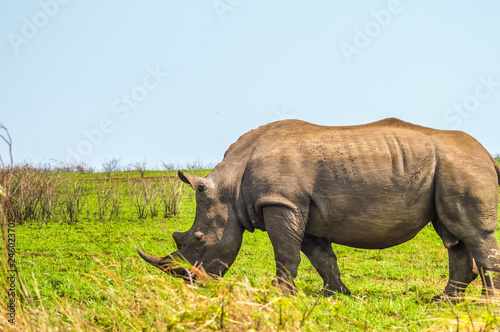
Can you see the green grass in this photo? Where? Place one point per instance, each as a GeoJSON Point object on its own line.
{"type": "Point", "coordinates": [87, 276]}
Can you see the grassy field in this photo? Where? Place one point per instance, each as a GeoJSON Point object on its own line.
{"type": "Point", "coordinates": [82, 273]}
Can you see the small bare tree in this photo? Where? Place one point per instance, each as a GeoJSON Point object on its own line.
{"type": "Point", "coordinates": [6, 173]}
{"type": "Point", "coordinates": [71, 201]}
{"type": "Point", "coordinates": [49, 183]}
{"type": "Point", "coordinates": [76, 167]}
{"type": "Point", "coordinates": [139, 199]}
{"type": "Point", "coordinates": [154, 198]}
{"type": "Point", "coordinates": [171, 195]}
{"type": "Point", "coordinates": [140, 167]}
{"type": "Point", "coordinates": [169, 166]}
{"type": "Point", "coordinates": [109, 166]}
{"type": "Point", "coordinates": [145, 197]}
{"type": "Point", "coordinates": [25, 190]}
{"type": "Point", "coordinates": [198, 164]}
{"type": "Point", "coordinates": [108, 201]}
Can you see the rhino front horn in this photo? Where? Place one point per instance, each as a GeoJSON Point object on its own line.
{"type": "Point", "coordinates": [156, 261]}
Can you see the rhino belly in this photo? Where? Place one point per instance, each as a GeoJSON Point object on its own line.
{"type": "Point", "coordinates": [375, 233]}
{"type": "Point", "coordinates": [371, 222]}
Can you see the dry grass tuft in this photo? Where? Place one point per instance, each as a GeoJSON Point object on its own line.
{"type": "Point", "coordinates": [155, 303]}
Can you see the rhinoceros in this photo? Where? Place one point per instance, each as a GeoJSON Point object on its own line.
{"type": "Point", "coordinates": [369, 186]}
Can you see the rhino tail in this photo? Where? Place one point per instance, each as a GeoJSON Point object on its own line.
{"type": "Point", "coordinates": [498, 172]}
{"type": "Point", "coordinates": [497, 167]}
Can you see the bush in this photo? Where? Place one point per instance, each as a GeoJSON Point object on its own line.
{"type": "Point", "coordinates": [71, 201]}
{"type": "Point", "coordinates": [35, 194]}
{"type": "Point", "coordinates": [171, 188]}
{"type": "Point", "coordinates": [25, 192]}
{"type": "Point", "coordinates": [108, 201]}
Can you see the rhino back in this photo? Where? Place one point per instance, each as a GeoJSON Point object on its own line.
{"type": "Point", "coordinates": [369, 186]}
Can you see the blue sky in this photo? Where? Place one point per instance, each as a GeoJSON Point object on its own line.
{"type": "Point", "coordinates": [177, 81]}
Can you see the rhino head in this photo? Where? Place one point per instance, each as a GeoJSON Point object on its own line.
{"type": "Point", "coordinates": [213, 241]}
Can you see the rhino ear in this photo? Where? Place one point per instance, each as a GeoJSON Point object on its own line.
{"type": "Point", "coordinates": [196, 182]}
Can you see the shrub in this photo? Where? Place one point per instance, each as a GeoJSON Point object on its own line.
{"type": "Point", "coordinates": [171, 195]}
{"type": "Point", "coordinates": [140, 167]}
{"type": "Point", "coordinates": [108, 201]}
{"type": "Point", "coordinates": [24, 194]}
{"type": "Point", "coordinates": [144, 195]}
{"type": "Point", "coordinates": [109, 166]}
{"type": "Point", "coordinates": [49, 183]}
{"type": "Point", "coordinates": [71, 201]}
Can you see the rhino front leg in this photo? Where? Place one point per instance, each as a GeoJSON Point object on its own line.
{"type": "Point", "coordinates": [320, 253]}
{"type": "Point", "coordinates": [285, 228]}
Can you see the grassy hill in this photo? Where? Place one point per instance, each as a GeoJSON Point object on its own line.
{"type": "Point", "coordinates": [75, 253]}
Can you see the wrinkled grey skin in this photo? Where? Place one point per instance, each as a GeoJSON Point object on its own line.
{"type": "Point", "coordinates": [372, 186]}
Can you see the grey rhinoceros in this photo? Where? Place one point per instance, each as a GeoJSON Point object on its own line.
{"type": "Point", "coordinates": [370, 186]}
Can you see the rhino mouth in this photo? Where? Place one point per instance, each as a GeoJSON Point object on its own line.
{"type": "Point", "coordinates": [181, 272]}
{"type": "Point", "coordinates": [176, 265]}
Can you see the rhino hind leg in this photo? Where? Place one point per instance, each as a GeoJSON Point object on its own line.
{"type": "Point", "coordinates": [319, 252]}
{"type": "Point", "coordinates": [461, 264]}
{"type": "Point", "coordinates": [470, 220]}
{"type": "Point", "coordinates": [487, 257]}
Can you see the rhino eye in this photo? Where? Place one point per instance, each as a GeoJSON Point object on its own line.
{"type": "Point", "coordinates": [198, 236]}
